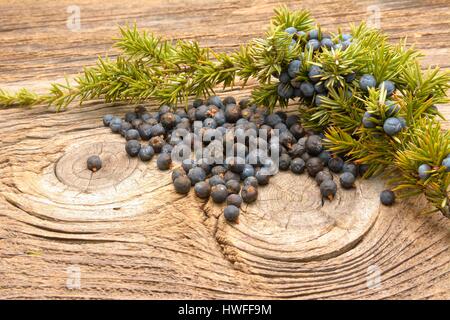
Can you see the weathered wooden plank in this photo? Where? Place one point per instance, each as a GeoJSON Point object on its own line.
{"type": "Point", "coordinates": [126, 230]}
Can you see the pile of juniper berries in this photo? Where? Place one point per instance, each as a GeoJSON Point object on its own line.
{"type": "Point", "coordinates": [226, 150]}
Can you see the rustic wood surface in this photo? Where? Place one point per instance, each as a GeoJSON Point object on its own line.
{"type": "Point", "coordinates": [126, 230]}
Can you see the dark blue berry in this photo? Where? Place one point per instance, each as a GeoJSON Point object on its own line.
{"type": "Point", "coordinates": [197, 103]}
{"type": "Point", "coordinates": [230, 175]}
{"type": "Point", "coordinates": [168, 120]}
{"type": "Point", "coordinates": [249, 193]}
{"type": "Point", "coordinates": [164, 109]}
{"type": "Point", "coordinates": [273, 119]}
{"type": "Point", "coordinates": [294, 68]}
{"type": "Point", "coordinates": [362, 169]}
{"type": "Point", "coordinates": [446, 164]}
{"type": "Point", "coordinates": [313, 166]}
{"type": "Point", "coordinates": [219, 193]}
{"type": "Point", "coordinates": [347, 180]}
{"type": "Point", "coordinates": [290, 30]}
{"type": "Point", "coordinates": [307, 89]}
{"type": "Point", "coordinates": [167, 148]}
{"type": "Point", "coordinates": [157, 143]}
{"type": "Point", "coordinates": [291, 120]}
{"type": "Point", "coordinates": [327, 42]}
{"type": "Point", "coordinates": [387, 197]}
{"type": "Point", "coordinates": [215, 100]}
{"type": "Point", "coordinates": [115, 124]}
{"type": "Point", "coordinates": [136, 123]}
{"type": "Point", "coordinates": [251, 181]}
{"type": "Point", "coordinates": [233, 186]}
{"type": "Point", "coordinates": [392, 108]}
{"type": "Point", "coordinates": [107, 119]}
{"type": "Point", "coordinates": [346, 36]}
{"type": "Point", "coordinates": [178, 172]}
{"type": "Point", "coordinates": [196, 174]}
{"type": "Point", "coordinates": [94, 163]}
{"type": "Point", "coordinates": [130, 116]}
{"type": "Point", "coordinates": [350, 167]}
{"type": "Point", "coordinates": [132, 147]}
{"type": "Point", "coordinates": [350, 77]}
{"type": "Point", "coordinates": [389, 86]}
{"type": "Point", "coordinates": [285, 90]}
{"type": "Point", "coordinates": [287, 139]}
{"type": "Point", "coordinates": [297, 130]}
{"type": "Point", "coordinates": [216, 179]}
{"type": "Point", "coordinates": [325, 156]}
{"type": "Point", "coordinates": [328, 189]}
{"type": "Point", "coordinates": [164, 161]}
{"type": "Point", "coordinates": [262, 176]}
{"type": "Point", "coordinates": [314, 145]}
{"type": "Point", "coordinates": [146, 153]}
{"type": "Point", "coordinates": [124, 127]}
{"type": "Point", "coordinates": [144, 131]}
{"type": "Point", "coordinates": [218, 170]}
{"type": "Point", "coordinates": [313, 44]}
{"type": "Point", "coordinates": [231, 213]}
{"type": "Point", "coordinates": [319, 87]}
{"type": "Point", "coordinates": [322, 176]}
{"type": "Point", "coordinates": [315, 73]}
{"type": "Point", "coordinates": [201, 113]}
{"type": "Point", "coordinates": [157, 130]}
{"type": "Point", "coordinates": [392, 126]}
{"type": "Point", "coordinates": [367, 81]}
{"type": "Point", "coordinates": [423, 171]}
{"type": "Point", "coordinates": [248, 171]}
{"type": "Point", "coordinates": [202, 189]}
{"type": "Point", "coordinates": [297, 165]}
{"type": "Point", "coordinates": [284, 162]}
{"type": "Point", "coordinates": [188, 164]}
{"type": "Point", "coordinates": [132, 134]}
{"type": "Point", "coordinates": [368, 120]}
{"type": "Point", "coordinates": [182, 184]}
{"type": "Point", "coordinates": [284, 77]}
{"type": "Point", "coordinates": [235, 200]}
{"type": "Point", "coordinates": [232, 113]}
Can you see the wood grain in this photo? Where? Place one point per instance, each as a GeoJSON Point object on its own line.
{"type": "Point", "coordinates": [126, 230]}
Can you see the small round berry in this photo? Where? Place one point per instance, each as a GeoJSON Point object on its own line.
{"type": "Point", "coordinates": [350, 167]}
{"type": "Point", "coordinates": [284, 162]}
{"type": "Point", "coordinates": [248, 171]}
{"type": "Point", "coordinates": [392, 108]}
{"type": "Point", "coordinates": [157, 130]}
{"type": "Point", "coordinates": [347, 180]}
{"type": "Point", "coordinates": [313, 44]}
{"type": "Point", "coordinates": [336, 164]}
{"type": "Point", "coordinates": [389, 86]}
{"type": "Point", "coordinates": [314, 145]}
{"type": "Point", "coordinates": [392, 126]}
{"type": "Point", "coordinates": [350, 77]}
{"type": "Point", "coordinates": [94, 163]}
{"type": "Point", "coordinates": [202, 189]}
{"type": "Point", "coordinates": [230, 175]}
{"type": "Point", "coordinates": [132, 134]}
{"type": "Point", "coordinates": [297, 131]}
{"type": "Point", "coordinates": [216, 179]}
{"type": "Point", "coordinates": [327, 42]}
{"type": "Point", "coordinates": [291, 120]}
{"type": "Point", "coordinates": [157, 143]}
{"type": "Point", "coordinates": [144, 131]}
{"type": "Point", "coordinates": [362, 169]}
{"type": "Point", "coordinates": [218, 170]}
{"type": "Point", "coordinates": [297, 165]}
{"type": "Point", "coordinates": [368, 120]}
{"type": "Point", "coordinates": [232, 113]}
{"type": "Point", "coordinates": [196, 174]}
{"type": "Point", "coordinates": [313, 166]}
{"type": "Point", "coordinates": [328, 189]}
{"type": "Point", "coordinates": [233, 186]}
{"type": "Point", "coordinates": [307, 89]}
{"type": "Point", "coordinates": [167, 148]}
{"type": "Point", "coordinates": [146, 153]}
{"type": "Point", "coordinates": [132, 147]}
{"type": "Point", "coordinates": [164, 161]}
{"type": "Point", "coordinates": [168, 120]}
{"type": "Point", "coordinates": [446, 164]}
{"type": "Point", "coordinates": [285, 90]}
{"type": "Point", "coordinates": [178, 172]}
{"type": "Point", "coordinates": [294, 68]}
{"type": "Point", "coordinates": [315, 73]}
{"type": "Point", "coordinates": [115, 124]}
{"type": "Point", "coordinates": [251, 181]}
{"type": "Point", "coordinates": [367, 81]}
{"type": "Point", "coordinates": [290, 30]}
{"type": "Point", "coordinates": [322, 176]}
{"type": "Point", "coordinates": [124, 127]}
{"type": "Point", "coordinates": [182, 184]}
{"type": "Point", "coordinates": [136, 123]}
{"type": "Point", "coordinates": [273, 119]}
{"type": "Point", "coordinates": [387, 197]}
{"type": "Point", "coordinates": [423, 171]}
{"type": "Point", "coordinates": [231, 213]}
{"type": "Point", "coordinates": [228, 100]}
{"type": "Point", "coordinates": [130, 116]}
{"type": "Point", "coordinates": [219, 193]}
{"type": "Point", "coordinates": [216, 101]}
{"type": "Point", "coordinates": [262, 176]}
{"type": "Point", "coordinates": [235, 200]}
{"type": "Point", "coordinates": [107, 119]}
{"type": "Point", "coordinates": [325, 156]}
{"type": "Point", "coordinates": [249, 193]}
